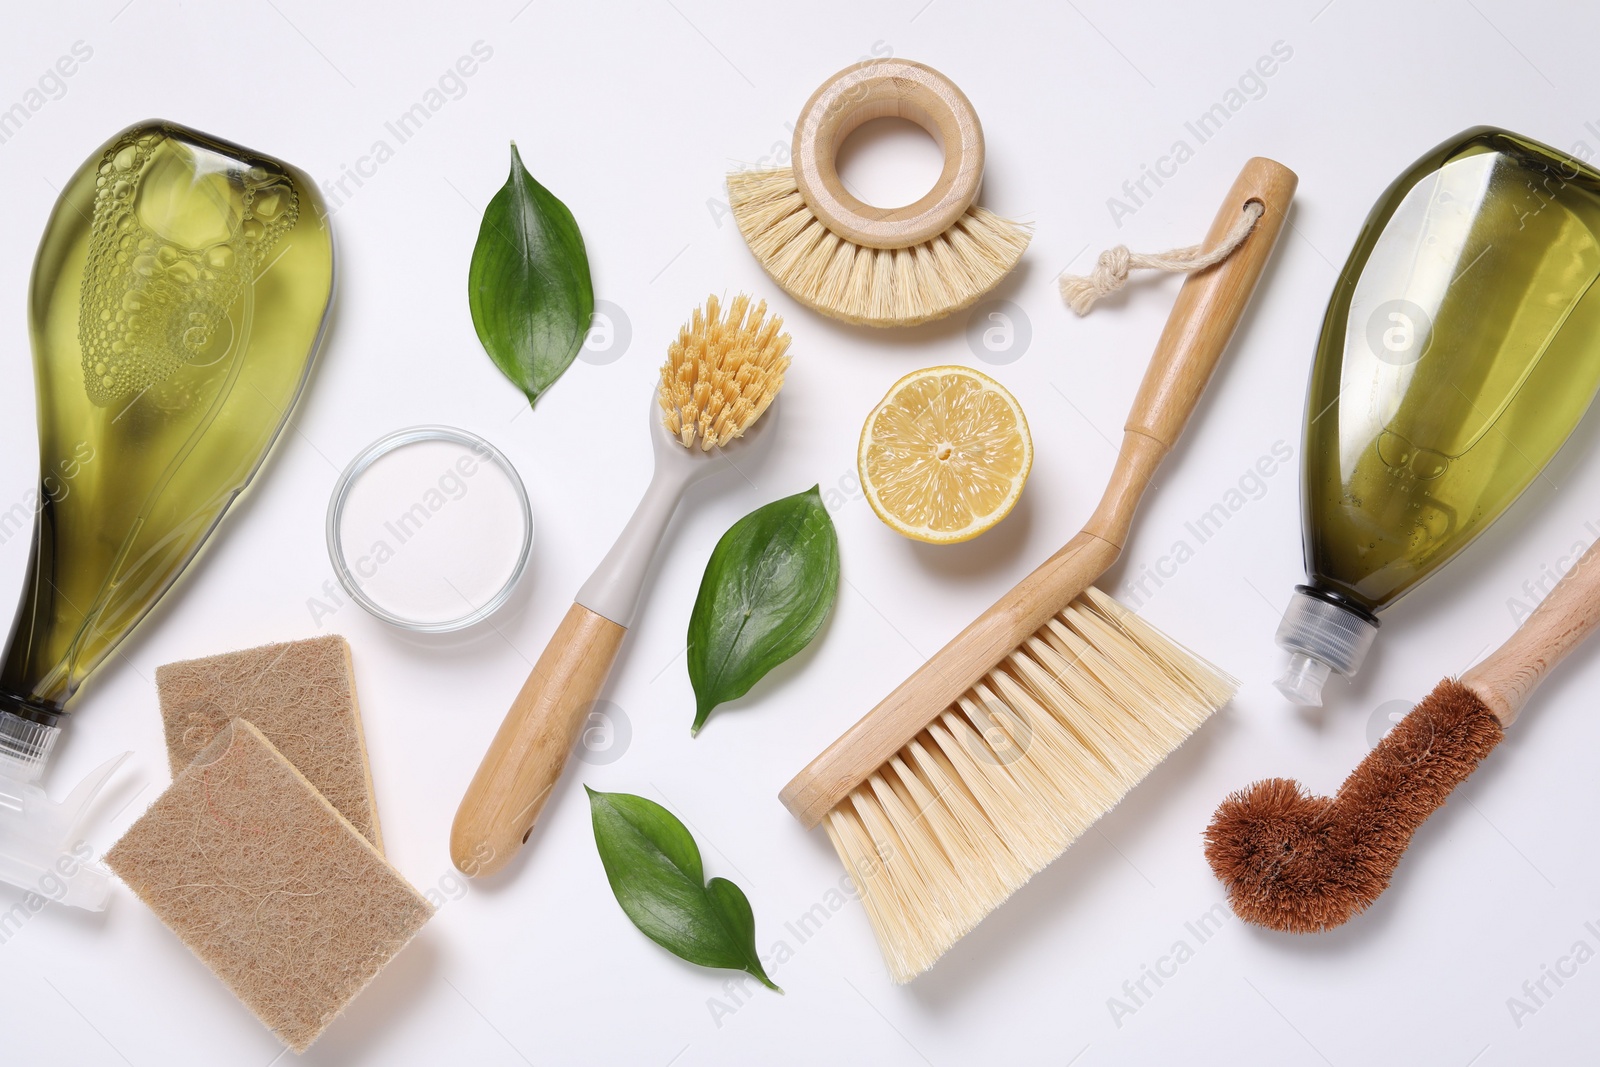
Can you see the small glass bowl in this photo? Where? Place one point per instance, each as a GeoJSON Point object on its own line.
{"type": "Point", "coordinates": [352, 475]}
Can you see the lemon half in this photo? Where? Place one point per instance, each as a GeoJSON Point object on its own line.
{"type": "Point", "coordinates": [945, 455]}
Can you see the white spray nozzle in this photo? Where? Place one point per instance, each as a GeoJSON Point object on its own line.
{"type": "Point", "coordinates": [42, 849]}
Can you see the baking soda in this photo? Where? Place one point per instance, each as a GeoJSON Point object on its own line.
{"type": "Point", "coordinates": [432, 531]}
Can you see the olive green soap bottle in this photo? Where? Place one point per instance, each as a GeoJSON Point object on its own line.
{"type": "Point", "coordinates": [1460, 349]}
{"type": "Point", "coordinates": [179, 294]}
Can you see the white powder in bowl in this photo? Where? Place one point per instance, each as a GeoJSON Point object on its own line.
{"type": "Point", "coordinates": [433, 531]}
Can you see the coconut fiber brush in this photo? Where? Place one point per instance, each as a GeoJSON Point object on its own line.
{"type": "Point", "coordinates": [721, 374]}
{"type": "Point", "coordinates": [1010, 742]}
{"type": "Point", "coordinates": [1301, 863]}
{"type": "Point", "coordinates": [868, 265]}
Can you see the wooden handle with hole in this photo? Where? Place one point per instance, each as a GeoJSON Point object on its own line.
{"type": "Point", "coordinates": [1202, 321]}
{"type": "Point", "coordinates": [1198, 329]}
{"type": "Point", "coordinates": [526, 758]}
{"type": "Point", "coordinates": [1508, 676]}
{"type": "Point", "coordinates": [888, 88]}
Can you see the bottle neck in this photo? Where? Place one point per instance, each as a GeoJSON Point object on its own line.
{"type": "Point", "coordinates": [34, 711]}
{"type": "Point", "coordinates": [1339, 600]}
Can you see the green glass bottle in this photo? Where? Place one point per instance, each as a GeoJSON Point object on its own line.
{"type": "Point", "coordinates": [1460, 349]}
{"type": "Point", "coordinates": [179, 294]}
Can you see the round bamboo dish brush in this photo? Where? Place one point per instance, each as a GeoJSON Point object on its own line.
{"type": "Point", "coordinates": [1300, 863]}
{"type": "Point", "coordinates": [721, 374]}
{"type": "Point", "coordinates": [878, 266]}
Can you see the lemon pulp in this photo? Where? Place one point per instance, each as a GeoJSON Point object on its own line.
{"type": "Point", "coordinates": [945, 455]}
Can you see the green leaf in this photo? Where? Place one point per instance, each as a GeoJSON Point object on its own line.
{"type": "Point", "coordinates": [766, 592]}
{"type": "Point", "coordinates": [654, 869]}
{"type": "Point", "coordinates": [529, 286]}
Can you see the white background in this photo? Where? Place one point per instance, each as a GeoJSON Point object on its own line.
{"type": "Point", "coordinates": [632, 115]}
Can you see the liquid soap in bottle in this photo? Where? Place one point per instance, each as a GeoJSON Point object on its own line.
{"type": "Point", "coordinates": [178, 296]}
{"type": "Point", "coordinates": [1460, 349]}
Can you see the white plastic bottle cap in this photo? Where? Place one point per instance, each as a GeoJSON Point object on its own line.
{"type": "Point", "coordinates": [1323, 638]}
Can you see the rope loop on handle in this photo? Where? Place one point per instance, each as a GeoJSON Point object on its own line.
{"type": "Point", "coordinates": [1111, 270]}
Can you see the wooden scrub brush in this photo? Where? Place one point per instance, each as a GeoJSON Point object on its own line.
{"type": "Point", "coordinates": [878, 266]}
{"type": "Point", "coordinates": [993, 757]}
{"type": "Point", "coordinates": [1301, 863]}
{"type": "Point", "coordinates": [721, 374]}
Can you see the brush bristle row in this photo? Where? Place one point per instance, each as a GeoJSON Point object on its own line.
{"type": "Point", "coordinates": [722, 372]}
{"type": "Point", "coordinates": [869, 286]}
{"type": "Point", "coordinates": [1000, 784]}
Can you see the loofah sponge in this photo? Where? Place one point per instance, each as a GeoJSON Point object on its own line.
{"type": "Point", "coordinates": [300, 694]}
{"type": "Point", "coordinates": [271, 887]}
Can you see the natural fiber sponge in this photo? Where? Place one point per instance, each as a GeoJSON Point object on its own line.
{"type": "Point", "coordinates": [271, 887]}
{"type": "Point", "coordinates": [301, 694]}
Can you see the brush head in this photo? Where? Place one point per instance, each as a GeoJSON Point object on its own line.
{"type": "Point", "coordinates": [998, 785]}
{"type": "Point", "coordinates": [834, 275]}
{"type": "Point", "coordinates": [722, 372]}
{"type": "Point", "coordinates": [1300, 863]}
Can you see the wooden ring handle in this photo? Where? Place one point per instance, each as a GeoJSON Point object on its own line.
{"type": "Point", "coordinates": [888, 88]}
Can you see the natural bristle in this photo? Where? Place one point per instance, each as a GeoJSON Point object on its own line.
{"type": "Point", "coordinates": [722, 372]}
{"type": "Point", "coordinates": [998, 785]}
{"type": "Point", "coordinates": [869, 286]}
{"type": "Point", "coordinates": [1301, 863]}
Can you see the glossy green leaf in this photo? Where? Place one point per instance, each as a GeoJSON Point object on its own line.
{"type": "Point", "coordinates": [654, 869]}
{"type": "Point", "coordinates": [528, 285]}
{"type": "Point", "coordinates": [766, 592]}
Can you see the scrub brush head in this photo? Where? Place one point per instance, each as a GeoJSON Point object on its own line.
{"type": "Point", "coordinates": [722, 372]}
{"type": "Point", "coordinates": [1300, 863]}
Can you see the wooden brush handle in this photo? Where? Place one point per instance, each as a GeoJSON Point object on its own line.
{"type": "Point", "coordinates": [1198, 329]}
{"type": "Point", "coordinates": [1508, 676]}
{"type": "Point", "coordinates": [526, 758]}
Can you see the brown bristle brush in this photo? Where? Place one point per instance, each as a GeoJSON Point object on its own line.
{"type": "Point", "coordinates": [1300, 863]}
{"type": "Point", "coordinates": [1036, 719]}
{"type": "Point", "coordinates": [868, 265]}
